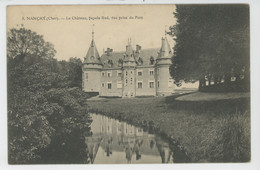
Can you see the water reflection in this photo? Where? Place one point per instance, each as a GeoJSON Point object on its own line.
{"type": "Point", "coordinates": [115, 142]}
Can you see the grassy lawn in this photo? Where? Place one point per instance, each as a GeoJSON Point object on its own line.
{"type": "Point", "coordinates": [209, 131]}
{"type": "Point", "coordinates": [202, 96]}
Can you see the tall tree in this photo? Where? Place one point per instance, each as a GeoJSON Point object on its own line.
{"type": "Point", "coordinates": [212, 42]}
{"type": "Point", "coordinates": [47, 118]}
{"type": "Point", "coordinates": [75, 72]}
{"type": "Point", "coordinates": [23, 43]}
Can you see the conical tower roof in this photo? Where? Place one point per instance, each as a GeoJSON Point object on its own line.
{"type": "Point", "coordinates": [92, 56]}
{"type": "Point", "coordinates": [165, 51]}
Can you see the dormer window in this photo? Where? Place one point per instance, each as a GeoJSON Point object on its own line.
{"type": "Point", "coordinates": [140, 61]}
{"type": "Point", "coordinates": [110, 63]}
{"type": "Point", "coordinates": [151, 60]}
{"type": "Point", "coordinates": [120, 62]}
{"type": "Point", "coordinates": [92, 58]}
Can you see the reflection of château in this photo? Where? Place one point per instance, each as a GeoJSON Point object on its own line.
{"type": "Point", "coordinates": [118, 141]}
{"type": "Point", "coordinates": [128, 74]}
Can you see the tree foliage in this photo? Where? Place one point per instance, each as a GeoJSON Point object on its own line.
{"type": "Point", "coordinates": [46, 111]}
{"type": "Point", "coordinates": [23, 43]}
{"type": "Point", "coordinates": [72, 71]}
{"type": "Point", "coordinates": [212, 43]}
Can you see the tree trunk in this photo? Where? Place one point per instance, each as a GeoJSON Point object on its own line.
{"type": "Point", "coordinates": [216, 80]}
{"type": "Point", "coordinates": [227, 82]}
{"type": "Point", "coordinates": [227, 79]}
{"type": "Point", "coordinates": [209, 80]}
{"type": "Point", "coordinates": [202, 84]}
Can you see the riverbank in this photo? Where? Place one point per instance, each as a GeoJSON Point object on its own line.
{"type": "Point", "coordinates": [209, 131]}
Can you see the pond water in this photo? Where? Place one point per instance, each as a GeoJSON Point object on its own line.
{"type": "Point", "coordinates": [116, 142]}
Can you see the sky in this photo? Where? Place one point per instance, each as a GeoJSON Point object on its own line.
{"type": "Point", "coordinates": [71, 36]}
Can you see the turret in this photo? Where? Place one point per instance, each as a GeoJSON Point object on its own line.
{"type": "Point", "coordinates": [164, 83]}
{"type": "Point", "coordinates": [165, 53]}
{"type": "Point", "coordinates": [129, 58]}
{"type": "Point", "coordinates": [91, 69]}
{"type": "Point", "coordinates": [129, 65]}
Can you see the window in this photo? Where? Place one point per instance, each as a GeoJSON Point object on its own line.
{"type": "Point", "coordinates": [139, 73]}
{"type": "Point", "coordinates": [151, 72]}
{"type": "Point", "coordinates": [86, 75]}
{"type": "Point", "coordinates": [151, 84]}
{"type": "Point", "coordinates": [109, 85]}
{"type": "Point", "coordinates": [126, 73]}
{"type": "Point", "coordinates": [131, 80]}
{"type": "Point", "coordinates": [109, 74]}
{"type": "Point", "coordinates": [158, 84]}
{"type": "Point", "coordinates": [140, 85]}
{"type": "Point", "coordinates": [119, 74]}
{"type": "Point", "coordinates": [119, 84]}
{"type": "Point", "coordinates": [103, 74]}
{"type": "Point", "coordinates": [119, 129]}
{"type": "Point", "coordinates": [103, 84]}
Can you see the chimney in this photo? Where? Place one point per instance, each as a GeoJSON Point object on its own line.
{"type": "Point", "coordinates": [108, 51]}
{"type": "Point", "coordinates": [138, 48]}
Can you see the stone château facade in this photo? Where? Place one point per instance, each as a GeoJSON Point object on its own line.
{"type": "Point", "coordinates": [130, 73]}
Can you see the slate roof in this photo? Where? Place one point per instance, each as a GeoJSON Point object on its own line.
{"type": "Point", "coordinates": [144, 54]}
{"type": "Point", "coordinates": [92, 56]}
{"type": "Point", "coordinates": [165, 51]}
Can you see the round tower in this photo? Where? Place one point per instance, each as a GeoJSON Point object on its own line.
{"type": "Point", "coordinates": [129, 64]}
{"type": "Point", "coordinates": [91, 69]}
{"type": "Point", "coordinates": [164, 82]}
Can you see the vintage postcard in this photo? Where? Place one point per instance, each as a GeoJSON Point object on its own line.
{"type": "Point", "coordinates": [128, 84]}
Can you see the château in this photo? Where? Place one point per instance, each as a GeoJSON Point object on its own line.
{"type": "Point", "coordinates": [132, 73]}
